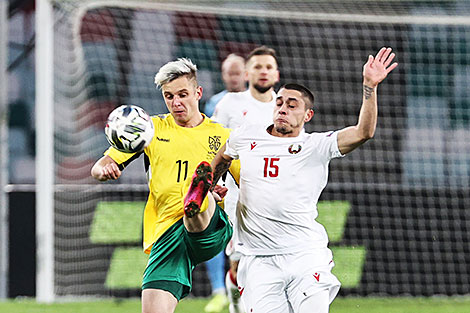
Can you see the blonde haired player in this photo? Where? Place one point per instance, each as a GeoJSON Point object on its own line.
{"type": "Point", "coordinates": [179, 231]}
{"type": "Point", "coordinates": [286, 264]}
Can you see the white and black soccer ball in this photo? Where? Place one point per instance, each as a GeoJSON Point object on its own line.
{"type": "Point", "coordinates": [129, 129]}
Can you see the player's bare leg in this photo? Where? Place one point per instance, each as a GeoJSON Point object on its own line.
{"type": "Point", "coordinates": [197, 219]}
{"type": "Point", "coordinates": [158, 301]}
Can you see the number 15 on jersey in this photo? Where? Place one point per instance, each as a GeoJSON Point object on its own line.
{"type": "Point", "coordinates": [271, 168]}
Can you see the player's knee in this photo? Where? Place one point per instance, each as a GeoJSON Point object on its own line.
{"type": "Point", "coordinates": [158, 301]}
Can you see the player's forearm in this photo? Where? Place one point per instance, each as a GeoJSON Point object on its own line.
{"type": "Point", "coordinates": [220, 165]}
{"type": "Point", "coordinates": [367, 121]}
{"type": "Point", "coordinates": [219, 169]}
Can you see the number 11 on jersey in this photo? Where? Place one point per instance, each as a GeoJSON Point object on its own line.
{"type": "Point", "coordinates": [182, 170]}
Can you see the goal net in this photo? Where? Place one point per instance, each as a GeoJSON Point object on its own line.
{"type": "Point", "coordinates": [395, 209]}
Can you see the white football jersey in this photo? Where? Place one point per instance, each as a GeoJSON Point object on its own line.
{"type": "Point", "coordinates": [238, 108]}
{"type": "Point", "coordinates": [281, 180]}
{"type": "Point", "coordinates": [233, 110]}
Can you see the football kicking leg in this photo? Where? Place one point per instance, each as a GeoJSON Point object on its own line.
{"type": "Point", "coordinates": [156, 300]}
{"type": "Point", "coordinates": [199, 204]}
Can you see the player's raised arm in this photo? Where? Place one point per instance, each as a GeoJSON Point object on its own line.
{"type": "Point", "coordinates": [375, 70]}
{"type": "Point", "coordinates": [220, 164]}
{"type": "Point", "coordinates": [105, 169]}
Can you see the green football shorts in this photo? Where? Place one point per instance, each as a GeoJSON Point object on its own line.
{"type": "Point", "coordinates": [175, 254]}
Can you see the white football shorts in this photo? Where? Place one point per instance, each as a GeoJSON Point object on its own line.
{"type": "Point", "coordinates": [280, 283]}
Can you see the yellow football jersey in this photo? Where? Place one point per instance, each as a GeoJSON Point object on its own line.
{"type": "Point", "coordinates": [171, 159]}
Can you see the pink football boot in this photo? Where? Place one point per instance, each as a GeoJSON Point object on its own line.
{"type": "Point", "coordinates": [200, 185]}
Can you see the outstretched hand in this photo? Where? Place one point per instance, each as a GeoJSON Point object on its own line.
{"type": "Point", "coordinates": [376, 69]}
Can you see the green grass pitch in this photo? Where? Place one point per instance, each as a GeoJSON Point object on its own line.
{"type": "Point", "coordinates": [340, 305]}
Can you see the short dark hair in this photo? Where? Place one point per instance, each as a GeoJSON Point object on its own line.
{"type": "Point", "coordinates": [262, 50]}
{"type": "Point", "coordinates": [306, 93]}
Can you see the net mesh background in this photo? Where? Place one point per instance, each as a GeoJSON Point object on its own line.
{"type": "Point", "coordinates": [406, 227]}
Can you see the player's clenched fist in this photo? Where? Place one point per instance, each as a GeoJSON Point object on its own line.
{"type": "Point", "coordinates": [110, 171]}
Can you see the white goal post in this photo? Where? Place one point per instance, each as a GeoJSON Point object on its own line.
{"type": "Point", "coordinates": [45, 152]}
{"type": "Point", "coordinates": [3, 149]}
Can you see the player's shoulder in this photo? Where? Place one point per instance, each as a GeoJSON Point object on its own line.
{"type": "Point", "coordinates": [237, 95]}
{"type": "Point", "coordinates": [230, 98]}
{"type": "Point", "coordinates": [214, 125]}
{"type": "Point", "coordinates": [321, 136]}
{"type": "Point", "coordinates": [163, 120]}
{"type": "Point", "coordinates": [160, 118]}
{"type": "Point", "coordinates": [252, 126]}
{"type": "Point", "coordinates": [249, 130]}
{"type": "Point", "coordinates": [230, 104]}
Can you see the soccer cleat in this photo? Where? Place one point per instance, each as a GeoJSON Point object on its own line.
{"type": "Point", "coordinates": [217, 304]}
{"type": "Point", "coordinates": [200, 185]}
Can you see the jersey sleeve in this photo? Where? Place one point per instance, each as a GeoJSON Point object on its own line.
{"type": "Point", "coordinates": [121, 158]}
{"type": "Point", "coordinates": [235, 171]}
{"type": "Point", "coordinates": [328, 145]}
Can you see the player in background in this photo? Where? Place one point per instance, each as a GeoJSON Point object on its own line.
{"type": "Point", "coordinates": [254, 106]}
{"type": "Point", "coordinates": [179, 231]}
{"type": "Point", "coordinates": [261, 72]}
{"type": "Point", "coordinates": [286, 264]}
{"type": "Point", "coordinates": [233, 76]}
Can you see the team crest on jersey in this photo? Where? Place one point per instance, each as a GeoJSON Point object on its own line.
{"type": "Point", "coordinates": [294, 148]}
{"type": "Point", "coordinates": [214, 143]}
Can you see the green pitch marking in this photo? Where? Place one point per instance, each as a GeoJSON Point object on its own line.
{"type": "Point", "coordinates": [333, 215]}
{"type": "Point", "coordinates": [121, 222]}
{"type": "Point", "coordinates": [117, 222]}
{"type": "Point", "coordinates": [349, 262]}
{"type": "Point", "coordinates": [126, 268]}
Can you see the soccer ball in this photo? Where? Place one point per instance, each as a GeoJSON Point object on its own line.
{"type": "Point", "coordinates": [129, 129]}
